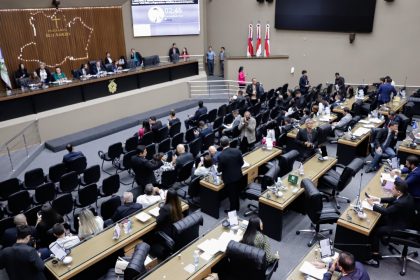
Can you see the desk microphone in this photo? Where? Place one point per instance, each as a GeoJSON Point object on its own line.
{"type": "Point", "coordinates": [358, 207]}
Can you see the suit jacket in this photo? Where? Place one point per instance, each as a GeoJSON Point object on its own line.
{"type": "Point", "coordinates": [303, 82]}
{"type": "Point", "coordinates": [182, 159]}
{"type": "Point", "coordinates": [94, 70]}
{"type": "Point", "coordinates": [158, 125]}
{"type": "Point", "coordinates": [108, 61]}
{"type": "Point", "coordinates": [49, 76]}
{"type": "Point", "coordinates": [126, 210]}
{"type": "Point", "coordinates": [302, 137]}
{"type": "Point", "coordinates": [258, 88]}
{"type": "Point", "coordinates": [381, 136]}
{"type": "Point", "coordinates": [143, 168]}
{"type": "Point", "coordinates": [72, 156]}
{"type": "Point", "coordinates": [138, 57]}
{"type": "Point", "coordinates": [384, 92]}
{"type": "Point", "coordinates": [80, 72]}
{"type": "Point", "coordinates": [248, 131]}
{"type": "Point", "coordinates": [171, 53]}
{"type": "Point", "coordinates": [359, 273]}
{"type": "Point", "coordinates": [413, 181]}
{"type": "Point", "coordinates": [399, 213]}
{"type": "Point", "coordinates": [22, 262]}
{"type": "Point", "coordinates": [230, 164]}
{"type": "Point", "coordinates": [199, 112]}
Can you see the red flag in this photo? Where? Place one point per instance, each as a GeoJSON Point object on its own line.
{"type": "Point", "coordinates": [267, 41]}
{"type": "Point", "coordinates": [250, 48]}
{"type": "Point", "coordinates": [258, 50]}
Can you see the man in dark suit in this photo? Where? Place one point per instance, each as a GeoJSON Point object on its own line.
{"type": "Point", "coordinates": [143, 168]}
{"type": "Point", "coordinates": [155, 124]}
{"type": "Point", "coordinates": [127, 208]}
{"type": "Point", "coordinates": [182, 157]}
{"type": "Point", "coordinates": [349, 268]}
{"type": "Point", "coordinates": [254, 91]}
{"type": "Point", "coordinates": [230, 164]}
{"type": "Point", "coordinates": [203, 130]}
{"type": "Point", "coordinates": [397, 215]}
{"type": "Point", "coordinates": [136, 57]}
{"type": "Point", "coordinates": [22, 261]}
{"type": "Point", "coordinates": [83, 71]}
{"type": "Point", "coordinates": [304, 82]}
{"type": "Point", "coordinates": [71, 155]}
{"type": "Point", "coordinates": [98, 68]}
{"type": "Point", "coordinates": [10, 234]}
{"type": "Point", "coordinates": [413, 177]}
{"type": "Point", "coordinates": [173, 53]}
{"type": "Point", "coordinates": [385, 141]}
{"type": "Point", "coordinates": [339, 83]}
{"type": "Point", "coordinates": [392, 117]}
{"type": "Point", "coordinates": [307, 140]}
{"type": "Point", "coordinates": [385, 90]}
{"type": "Point", "coordinates": [194, 119]}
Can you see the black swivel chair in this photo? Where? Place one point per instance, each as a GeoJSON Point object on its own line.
{"type": "Point", "coordinates": [194, 146]}
{"type": "Point", "coordinates": [18, 202]}
{"type": "Point", "coordinates": [254, 190]}
{"type": "Point", "coordinates": [286, 162]}
{"type": "Point", "coordinates": [32, 215]}
{"type": "Point", "coordinates": [332, 183]}
{"type": "Point", "coordinates": [402, 127]}
{"type": "Point", "coordinates": [77, 165]}
{"type": "Point", "coordinates": [110, 186]}
{"type": "Point", "coordinates": [164, 146]}
{"type": "Point", "coordinates": [168, 179]}
{"type": "Point", "coordinates": [406, 238]}
{"type": "Point", "coordinates": [86, 196]}
{"type": "Point", "coordinates": [151, 151]}
{"type": "Point", "coordinates": [114, 152]}
{"type": "Point", "coordinates": [184, 172]}
{"type": "Point", "coordinates": [68, 182]}
{"type": "Point", "coordinates": [44, 193]}
{"type": "Point", "coordinates": [55, 172]}
{"type": "Point", "coordinates": [125, 165]}
{"type": "Point", "coordinates": [63, 204]}
{"type": "Point", "coordinates": [131, 144]}
{"type": "Point", "coordinates": [109, 206]}
{"type": "Point", "coordinates": [192, 192]}
{"type": "Point", "coordinates": [161, 134]}
{"type": "Point", "coordinates": [323, 132]}
{"type": "Point", "coordinates": [208, 141]}
{"type": "Point", "coordinates": [33, 178]}
{"type": "Point", "coordinates": [189, 134]}
{"type": "Point", "coordinates": [319, 212]}
{"type": "Point", "coordinates": [8, 187]}
{"type": "Point", "coordinates": [177, 139]}
{"type": "Point", "coordinates": [90, 175]}
{"type": "Point", "coordinates": [147, 138]}
{"type": "Point", "coordinates": [247, 262]}
{"type": "Point", "coordinates": [183, 232]}
{"type": "Point", "coordinates": [212, 115]}
{"type": "Point", "coordinates": [175, 129]}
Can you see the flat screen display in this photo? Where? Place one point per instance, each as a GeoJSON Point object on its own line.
{"type": "Point", "coordinates": [165, 17]}
{"type": "Point", "coordinates": [326, 15]}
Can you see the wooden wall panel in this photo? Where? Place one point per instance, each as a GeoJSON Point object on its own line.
{"type": "Point", "coordinates": [64, 37]}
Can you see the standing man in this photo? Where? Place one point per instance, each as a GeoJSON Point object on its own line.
{"type": "Point", "coordinates": [136, 57]}
{"type": "Point", "coordinates": [247, 127]}
{"type": "Point", "coordinates": [385, 90]}
{"type": "Point", "coordinates": [254, 91]}
{"type": "Point", "coordinates": [22, 261]}
{"type": "Point", "coordinates": [230, 164]}
{"type": "Point", "coordinates": [210, 60]}
{"type": "Point", "coordinates": [143, 168]}
{"type": "Point", "coordinates": [173, 53]}
{"type": "Point", "coordinates": [222, 62]}
{"type": "Point", "coordinates": [304, 82]}
{"type": "Point", "coordinates": [339, 83]}
{"type": "Point", "coordinates": [307, 140]}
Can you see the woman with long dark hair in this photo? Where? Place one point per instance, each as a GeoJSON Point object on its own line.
{"type": "Point", "coordinates": [170, 212]}
{"type": "Point", "coordinates": [47, 218]}
{"type": "Point", "coordinates": [254, 237]}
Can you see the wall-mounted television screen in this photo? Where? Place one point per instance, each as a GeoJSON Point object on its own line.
{"type": "Point", "coordinates": [326, 15]}
{"type": "Point", "coordinates": [165, 17]}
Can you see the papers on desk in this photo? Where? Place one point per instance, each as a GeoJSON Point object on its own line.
{"type": "Point", "coordinates": [309, 269]}
{"type": "Point", "coordinates": [387, 177]}
{"type": "Point", "coordinates": [366, 204]}
{"type": "Point", "coordinates": [375, 120]}
{"type": "Point", "coordinates": [143, 217]}
{"type": "Point", "coordinates": [233, 218]}
{"type": "Point", "coordinates": [246, 165]}
{"type": "Point", "coordinates": [361, 131]}
{"type": "Point", "coordinates": [364, 121]}
{"type": "Point", "coordinates": [325, 118]}
{"type": "Point", "coordinates": [369, 125]}
{"type": "Point", "coordinates": [212, 246]}
{"type": "Point", "coordinates": [154, 212]}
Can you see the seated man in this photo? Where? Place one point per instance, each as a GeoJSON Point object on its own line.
{"type": "Point", "coordinates": [143, 168]}
{"type": "Point", "coordinates": [236, 121]}
{"type": "Point", "coordinates": [151, 195]}
{"type": "Point", "coordinates": [98, 68]}
{"type": "Point", "coordinates": [173, 119]}
{"type": "Point", "coordinates": [397, 215]}
{"type": "Point", "coordinates": [71, 155]}
{"type": "Point", "coordinates": [385, 141]}
{"type": "Point", "coordinates": [192, 120]}
{"type": "Point", "coordinates": [214, 153]}
{"type": "Point", "coordinates": [203, 130]}
{"type": "Point", "coordinates": [65, 241]}
{"type": "Point", "coordinates": [307, 140]}
{"type": "Point", "coordinates": [338, 127]}
{"type": "Point", "coordinates": [413, 177]}
{"type": "Point", "coordinates": [127, 208]}
{"type": "Point", "coordinates": [155, 124]}
{"type": "Point", "coordinates": [9, 235]}
{"type": "Point", "coordinates": [182, 157]}
{"type": "Point", "coordinates": [392, 117]}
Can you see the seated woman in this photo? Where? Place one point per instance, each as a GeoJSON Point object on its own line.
{"type": "Point", "coordinates": [89, 224]}
{"type": "Point", "coordinates": [122, 62]}
{"type": "Point", "coordinates": [143, 129]}
{"type": "Point", "coordinates": [21, 75]}
{"type": "Point", "coordinates": [169, 213]}
{"type": "Point", "coordinates": [35, 80]}
{"type": "Point", "coordinates": [58, 75]}
{"type": "Point", "coordinates": [166, 166]}
{"type": "Point", "coordinates": [204, 167]}
{"type": "Point", "coordinates": [254, 237]}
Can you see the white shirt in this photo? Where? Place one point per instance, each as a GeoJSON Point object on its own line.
{"type": "Point", "coordinates": [147, 200]}
{"type": "Point", "coordinates": [67, 242]}
{"type": "Point", "coordinates": [43, 74]}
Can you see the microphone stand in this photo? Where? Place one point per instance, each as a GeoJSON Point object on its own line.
{"type": "Point", "coordinates": [358, 207]}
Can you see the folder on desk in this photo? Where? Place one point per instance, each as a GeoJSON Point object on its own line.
{"type": "Point", "coordinates": [154, 212]}
{"type": "Point", "coordinates": [309, 269]}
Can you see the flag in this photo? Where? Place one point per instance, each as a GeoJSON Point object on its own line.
{"type": "Point", "coordinates": [250, 48]}
{"type": "Point", "coordinates": [258, 45]}
{"type": "Point", "coordinates": [3, 71]}
{"type": "Point", "coordinates": [267, 41]}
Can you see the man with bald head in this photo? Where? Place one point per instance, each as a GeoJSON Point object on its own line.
{"type": "Point", "coordinates": [9, 235]}
{"type": "Point", "coordinates": [127, 208]}
{"type": "Point", "coordinates": [214, 153]}
{"type": "Point", "coordinates": [182, 157]}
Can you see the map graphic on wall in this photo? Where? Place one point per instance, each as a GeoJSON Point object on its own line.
{"type": "Point", "coordinates": [53, 29]}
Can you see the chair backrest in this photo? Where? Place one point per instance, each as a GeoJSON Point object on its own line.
{"type": "Point", "coordinates": [111, 185]}
{"type": "Point", "coordinates": [5, 224]}
{"type": "Point", "coordinates": [88, 195]}
{"type": "Point", "coordinates": [189, 134]}
{"type": "Point", "coordinates": [45, 193]}
{"type": "Point", "coordinates": [212, 115]}
{"type": "Point", "coordinates": [9, 187]}
{"type": "Point", "coordinates": [69, 182]}
{"type": "Point", "coordinates": [31, 215]}
{"type": "Point", "coordinates": [185, 171]}
{"type": "Point", "coordinates": [195, 147]}
{"type": "Point", "coordinates": [108, 207]}
{"type": "Point", "coordinates": [245, 261]}
{"type": "Point", "coordinates": [208, 140]}
{"type": "Point", "coordinates": [18, 202]}
{"type": "Point", "coordinates": [402, 128]}
{"type": "Point", "coordinates": [164, 146]}
{"type": "Point", "coordinates": [221, 111]}
{"type": "Point", "coordinates": [92, 174]}
{"type": "Point", "coordinates": [115, 150]}
{"type": "Point", "coordinates": [78, 165]}
{"type": "Point", "coordinates": [135, 267]}
{"type": "Point", "coordinates": [228, 119]}
{"type": "Point", "coordinates": [177, 139]}
{"type": "Point", "coordinates": [175, 129]}
{"type": "Point", "coordinates": [147, 138]}
{"type": "Point", "coordinates": [34, 178]}
{"type": "Point", "coordinates": [56, 171]}
{"type": "Point", "coordinates": [194, 186]}
{"type": "Point", "coordinates": [131, 143]}
{"type": "Point", "coordinates": [63, 204]}
{"type": "Point", "coordinates": [217, 123]}
{"type": "Point", "coordinates": [187, 229]}
{"type": "Point", "coordinates": [151, 150]}
{"type": "Point", "coordinates": [313, 200]}
{"type": "Point", "coordinates": [168, 178]}
{"type": "Point", "coordinates": [270, 176]}
{"type": "Point", "coordinates": [161, 134]}
{"type": "Point", "coordinates": [203, 117]}
{"type": "Point", "coordinates": [323, 132]}
{"type": "Point", "coordinates": [127, 159]}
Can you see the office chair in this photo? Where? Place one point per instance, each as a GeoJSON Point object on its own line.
{"type": "Point", "coordinates": [286, 162]}
{"type": "Point", "coordinates": [189, 134]}
{"type": "Point", "coordinates": [55, 172]}
{"type": "Point", "coordinates": [208, 141]}
{"type": "Point", "coordinates": [406, 238]}
{"type": "Point", "coordinates": [212, 115]}
{"type": "Point", "coordinates": [175, 129]}
{"type": "Point", "coordinates": [131, 144]}
{"type": "Point", "coordinates": [113, 154]}
{"type": "Point", "coordinates": [63, 204]}
{"type": "Point", "coordinates": [109, 206]}
{"type": "Point", "coordinates": [77, 165]}
{"type": "Point", "coordinates": [332, 183]}
{"type": "Point", "coordinates": [110, 186]}
{"type": "Point", "coordinates": [260, 184]}
{"type": "Point", "coordinates": [323, 132]}
{"type": "Point", "coordinates": [319, 212]}
{"type": "Point", "coordinates": [17, 202]}
{"type": "Point", "coordinates": [194, 147]}
{"type": "Point", "coordinates": [151, 151]}
{"type": "Point", "coordinates": [402, 128]}
{"type": "Point", "coordinates": [68, 182]}
{"type": "Point", "coordinates": [164, 146]}
{"type": "Point", "coordinates": [192, 192]}
{"type": "Point", "coordinates": [8, 187]}
{"type": "Point", "coordinates": [125, 165]}
{"type": "Point", "coordinates": [184, 173]}
{"type": "Point", "coordinates": [183, 232]}
{"type": "Point", "coordinates": [32, 215]}
{"type": "Point", "coordinates": [147, 139]}
{"type": "Point", "coordinates": [168, 178]}
{"type": "Point", "coordinates": [221, 111]}
{"type": "Point", "coordinates": [86, 196]}
{"type": "Point", "coordinates": [228, 119]}
{"type": "Point", "coordinates": [90, 175]}
{"type": "Point", "coordinates": [247, 262]}
{"type": "Point", "coordinates": [177, 139]}
{"type": "Point", "coordinates": [44, 193]}
{"type": "Point", "coordinates": [33, 178]}
{"type": "Point", "coordinates": [161, 134]}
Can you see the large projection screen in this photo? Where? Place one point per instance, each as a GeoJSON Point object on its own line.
{"type": "Point", "coordinates": [165, 17]}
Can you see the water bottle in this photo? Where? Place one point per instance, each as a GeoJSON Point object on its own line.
{"type": "Point", "coordinates": [301, 171]}
{"type": "Point", "coordinates": [129, 226]}
{"type": "Point", "coordinates": [196, 259]}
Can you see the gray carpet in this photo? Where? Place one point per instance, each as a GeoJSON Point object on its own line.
{"type": "Point", "coordinates": [291, 249]}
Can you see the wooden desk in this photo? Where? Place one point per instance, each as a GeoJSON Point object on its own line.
{"type": "Point", "coordinates": [311, 256]}
{"type": "Point", "coordinates": [404, 151]}
{"type": "Point", "coordinates": [102, 245]}
{"type": "Point", "coordinates": [347, 150]}
{"type": "Point", "coordinates": [395, 105]}
{"type": "Point", "coordinates": [348, 103]}
{"type": "Point", "coordinates": [317, 122]}
{"type": "Point", "coordinates": [210, 192]}
{"type": "Point", "coordinates": [352, 233]}
{"type": "Point", "coordinates": [173, 269]}
{"type": "Point", "coordinates": [272, 208]}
